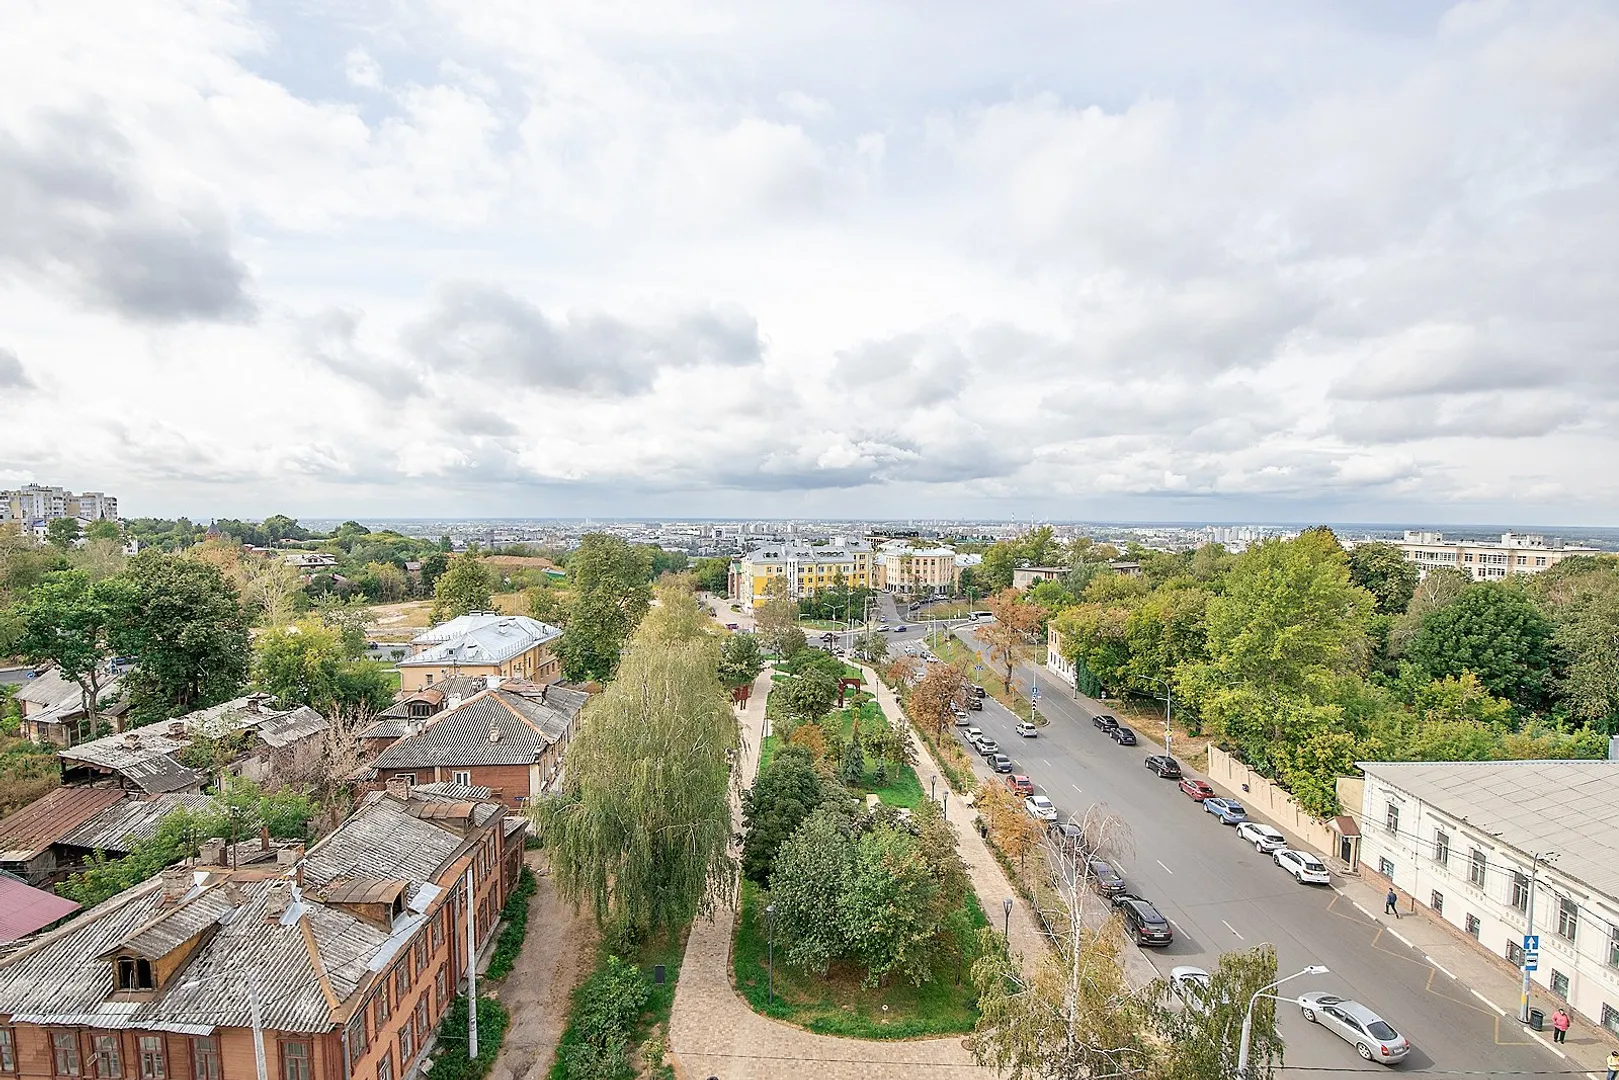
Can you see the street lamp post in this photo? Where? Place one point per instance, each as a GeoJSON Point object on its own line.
{"type": "Point", "coordinates": [1534, 873]}
{"type": "Point", "coordinates": [770, 925]}
{"type": "Point", "coordinates": [1006, 928]}
{"type": "Point", "coordinates": [944, 805]}
{"type": "Point", "coordinates": [1248, 1017]}
{"type": "Point", "coordinates": [1167, 706]}
{"type": "Point", "coordinates": [933, 783]}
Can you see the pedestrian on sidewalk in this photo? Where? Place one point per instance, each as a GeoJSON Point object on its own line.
{"type": "Point", "coordinates": [1613, 1065]}
{"type": "Point", "coordinates": [1391, 903]}
{"type": "Point", "coordinates": [1560, 1021]}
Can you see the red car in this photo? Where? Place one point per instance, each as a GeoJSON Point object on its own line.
{"type": "Point", "coordinates": [1022, 785]}
{"type": "Point", "coordinates": [1198, 790]}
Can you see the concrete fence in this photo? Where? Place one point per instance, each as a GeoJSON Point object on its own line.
{"type": "Point", "coordinates": [1259, 794]}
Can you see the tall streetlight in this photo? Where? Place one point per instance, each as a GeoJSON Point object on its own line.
{"type": "Point", "coordinates": [933, 784]}
{"type": "Point", "coordinates": [1248, 1017]}
{"type": "Point", "coordinates": [770, 925]}
{"type": "Point", "coordinates": [1534, 872]}
{"type": "Point", "coordinates": [1167, 706]}
{"type": "Point", "coordinates": [1006, 929]}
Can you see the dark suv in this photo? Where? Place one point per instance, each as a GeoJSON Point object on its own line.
{"type": "Point", "coordinates": [1142, 921]}
{"type": "Point", "coordinates": [1165, 766]}
{"type": "Point", "coordinates": [1105, 721]}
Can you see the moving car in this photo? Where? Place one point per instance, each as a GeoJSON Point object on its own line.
{"type": "Point", "coordinates": [1105, 878]}
{"type": "Point", "coordinates": [1196, 790]}
{"type": "Point", "coordinates": [1264, 838]}
{"type": "Point", "coordinates": [900, 629]}
{"type": "Point", "coordinates": [1105, 721]}
{"type": "Point", "coordinates": [1143, 922]}
{"type": "Point", "coordinates": [988, 747]}
{"type": "Point", "coordinates": [1229, 811]}
{"type": "Point", "coordinates": [977, 691]}
{"type": "Point", "coordinates": [975, 702]}
{"type": "Point", "coordinates": [1123, 736]}
{"type": "Point", "coordinates": [1000, 763]}
{"type": "Point", "coordinates": [1165, 766]}
{"type": "Point", "coordinates": [1027, 730]}
{"type": "Point", "coordinates": [1040, 808]}
{"type": "Point", "coordinates": [1305, 868]}
{"type": "Point", "coordinates": [1020, 784]}
{"type": "Point", "coordinates": [1372, 1037]}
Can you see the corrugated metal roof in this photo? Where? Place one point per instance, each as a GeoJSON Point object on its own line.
{"type": "Point", "coordinates": [122, 750]}
{"type": "Point", "coordinates": [485, 639]}
{"type": "Point", "coordinates": [364, 890]}
{"type": "Point", "coordinates": [126, 823]}
{"type": "Point", "coordinates": [54, 815]}
{"type": "Point", "coordinates": [523, 726]}
{"type": "Point", "coordinates": [25, 910]}
{"type": "Point", "coordinates": [173, 926]}
{"type": "Point", "coordinates": [444, 789]}
{"type": "Point", "coordinates": [381, 840]}
{"type": "Point", "coordinates": [294, 726]}
{"type": "Point", "coordinates": [1570, 806]}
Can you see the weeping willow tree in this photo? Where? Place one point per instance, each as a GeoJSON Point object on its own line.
{"type": "Point", "coordinates": [641, 829]}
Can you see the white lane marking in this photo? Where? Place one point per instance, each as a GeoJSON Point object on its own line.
{"type": "Point", "coordinates": [1233, 929]}
{"type": "Point", "coordinates": [1437, 964]}
{"type": "Point", "coordinates": [1160, 862]}
{"type": "Point", "coordinates": [1401, 938]}
{"type": "Point", "coordinates": [1487, 1001]}
{"type": "Point", "coordinates": [1047, 761]}
{"type": "Point", "coordinates": [1176, 925]}
{"type": "Point", "coordinates": [1362, 910]}
{"type": "Point", "coordinates": [1076, 787]}
{"type": "Point", "coordinates": [1541, 1039]}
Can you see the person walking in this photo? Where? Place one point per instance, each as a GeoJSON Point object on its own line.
{"type": "Point", "coordinates": [1560, 1022]}
{"type": "Point", "coordinates": [1391, 903]}
{"type": "Point", "coordinates": [1613, 1065]}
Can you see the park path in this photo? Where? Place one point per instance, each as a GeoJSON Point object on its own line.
{"type": "Point", "coordinates": [714, 1034]}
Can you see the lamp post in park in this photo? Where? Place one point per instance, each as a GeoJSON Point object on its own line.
{"type": "Point", "coordinates": [1006, 928]}
{"type": "Point", "coordinates": [770, 932]}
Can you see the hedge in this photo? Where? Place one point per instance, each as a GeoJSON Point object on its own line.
{"type": "Point", "coordinates": [452, 1062]}
{"type": "Point", "coordinates": [515, 916]}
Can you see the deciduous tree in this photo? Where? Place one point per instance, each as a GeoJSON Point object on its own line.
{"type": "Point", "coordinates": [186, 628]}
{"type": "Point", "coordinates": [468, 585]}
{"type": "Point", "coordinates": [786, 792]}
{"type": "Point", "coordinates": [72, 622]}
{"type": "Point", "coordinates": [1382, 570]}
{"type": "Point", "coordinates": [612, 591]}
{"type": "Point", "coordinates": [740, 660]}
{"type": "Point", "coordinates": [1014, 622]}
{"type": "Point", "coordinates": [1494, 631]}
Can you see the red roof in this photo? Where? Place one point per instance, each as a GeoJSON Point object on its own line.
{"type": "Point", "coordinates": [49, 818]}
{"type": "Point", "coordinates": [25, 909]}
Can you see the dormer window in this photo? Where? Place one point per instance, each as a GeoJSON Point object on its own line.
{"type": "Point", "coordinates": [135, 973]}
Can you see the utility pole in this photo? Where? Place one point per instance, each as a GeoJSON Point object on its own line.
{"type": "Point", "coordinates": [256, 1008]}
{"type": "Point", "coordinates": [1530, 955]}
{"type": "Point", "coordinates": [472, 972]}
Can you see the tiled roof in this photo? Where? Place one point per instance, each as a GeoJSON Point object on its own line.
{"type": "Point", "coordinates": [49, 818]}
{"type": "Point", "coordinates": [482, 639]}
{"type": "Point", "coordinates": [498, 727]}
{"type": "Point", "coordinates": [25, 910]}
{"type": "Point", "coordinates": [130, 821]}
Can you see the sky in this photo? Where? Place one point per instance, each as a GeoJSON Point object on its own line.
{"type": "Point", "coordinates": [1080, 259]}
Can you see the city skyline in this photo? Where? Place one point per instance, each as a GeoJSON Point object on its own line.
{"type": "Point", "coordinates": [1094, 262]}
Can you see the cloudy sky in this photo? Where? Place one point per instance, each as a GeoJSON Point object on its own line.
{"type": "Point", "coordinates": [1087, 258]}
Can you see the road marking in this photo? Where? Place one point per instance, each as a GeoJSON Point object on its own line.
{"type": "Point", "coordinates": [1487, 1001]}
{"type": "Point", "coordinates": [1160, 862]}
{"type": "Point", "coordinates": [1401, 938]}
{"type": "Point", "coordinates": [1075, 787]}
{"type": "Point", "coordinates": [1047, 761]}
{"type": "Point", "coordinates": [1233, 929]}
{"type": "Point", "coordinates": [1362, 910]}
{"type": "Point", "coordinates": [1541, 1039]}
{"type": "Point", "coordinates": [1437, 964]}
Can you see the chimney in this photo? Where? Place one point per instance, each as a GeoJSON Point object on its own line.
{"type": "Point", "coordinates": [264, 838]}
{"type": "Point", "coordinates": [492, 682]}
{"type": "Point", "coordinates": [454, 701]}
{"type": "Point", "coordinates": [399, 788]}
{"type": "Point", "coordinates": [234, 893]}
{"type": "Point", "coordinates": [132, 740]}
{"type": "Point", "coordinates": [276, 898]}
{"type": "Point", "coordinates": [213, 852]}
{"type": "Point", "coordinates": [288, 854]}
{"type": "Point", "coordinates": [176, 883]}
{"type": "Point", "coordinates": [177, 729]}
{"type": "Point", "coordinates": [494, 733]}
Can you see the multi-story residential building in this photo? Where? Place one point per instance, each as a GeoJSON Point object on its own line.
{"type": "Point", "coordinates": [482, 643]}
{"type": "Point", "coordinates": [803, 569]}
{"type": "Point", "coordinates": [901, 568]}
{"type": "Point", "coordinates": [344, 959]}
{"type": "Point", "coordinates": [1056, 663]}
{"type": "Point", "coordinates": [1463, 838]}
{"type": "Point", "coordinates": [35, 504]}
{"type": "Point", "coordinates": [1517, 553]}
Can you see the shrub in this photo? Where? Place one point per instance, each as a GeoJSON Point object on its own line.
{"type": "Point", "coordinates": [515, 916]}
{"type": "Point", "coordinates": [452, 1062]}
{"type": "Point", "coordinates": [606, 1008]}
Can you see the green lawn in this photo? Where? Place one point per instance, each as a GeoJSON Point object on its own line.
{"type": "Point", "coordinates": [838, 1004]}
{"type": "Point", "coordinates": [902, 788]}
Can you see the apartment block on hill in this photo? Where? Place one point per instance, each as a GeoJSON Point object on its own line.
{"type": "Point", "coordinates": [801, 569]}
{"type": "Point", "coordinates": [916, 571]}
{"type": "Point", "coordinates": [1517, 553]}
{"type": "Point", "coordinates": [35, 504]}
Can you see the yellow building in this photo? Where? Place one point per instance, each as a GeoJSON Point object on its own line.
{"type": "Point", "coordinates": [482, 643]}
{"type": "Point", "coordinates": [806, 569]}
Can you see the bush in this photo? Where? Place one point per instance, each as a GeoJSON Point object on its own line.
{"type": "Point", "coordinates": [515, 916]}
{"type": "Point", "coordinates": [606, 1009]}
{"type": "Point", "coordinates": [452, 1062]}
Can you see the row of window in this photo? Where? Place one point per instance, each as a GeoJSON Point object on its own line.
{"type": "Point", "coordinates": [99, 1055]}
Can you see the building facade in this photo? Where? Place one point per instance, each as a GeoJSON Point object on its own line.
{"type": "Point", "coordinates": [1463, 839]}
{"type": "Point", "coordinates": [35, 504]}
{"type": "Point", "coordinates": [1517, 553]}
{"type": "Point", "coordinates": [1056, 663]}
{"type": "Point", "coordinates": [483, 643]}
{"type": "Point", "coordinates": [801, 569]}
{"type": "Point", "coordinates": [915, 571]}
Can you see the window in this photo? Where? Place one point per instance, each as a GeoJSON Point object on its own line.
{"type": "Point", "coordinates": [1514, 953]}
{"type": "Point", "coordinates": [380, 1008]}
{"type": "Point", "coordinates": [8, 1051]}
{"type": "Point", "coordinates": [1520, 891]}
{"type": "Point", "coordinates": [1436, 900]}
{"type": "Point", "coordinates": [135, 973]}
{"type": "Point", "coordinates": [65, 1053]}
{"type": "Point", "coordinates": [385, 1067]}
{"type": "Point", "coordinates": [205, 1058]}
{"type": "Point", "coordinates": [1385, 867]}
{"type": "Point", "coordinates": [402, 981]}
{"type": "Point", "coordinates": [1560, 984]}
{"type": "Point", "coordinates": [1391, 820]}
{"type": "Point", "coordinates": [438, 928]}
{"type": "Point", "coordinates": [1477, 867]}
{"type": "Point", "coordinates": [1613, 946]}
{"type": "Point", "coordinates": [358, 1043]}
{"type": "Point", "coordinates": [106, 1057]}
{"type": "Point", "coordinates": [462, 777]}
{"type": "Point", "coordinates": [1441, 847]}
{"type": "Point", "coordinates": [441, 988]}
{"type": "Point", "coordinates": [297, 1060]}
{"type": "Point", "coordinates": [407, 777]}
{"type": "Point", "coordinates": [419, 956]}
{"type": "Point", "coordinates": [424, 1021]}
{"type": "Point", "coordinates": [1610, 1018]}
{"type": "Point", "coordinates": [153, 1065]}
{"type": "Point", "coordinates": [1568, 918]}
{"type": "Point", "coordinates": [407, 1043]}
{"type": "Point", "coordinates": [1472, 927]}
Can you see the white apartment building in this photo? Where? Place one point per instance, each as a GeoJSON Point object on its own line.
{"type": "Point", "coordinates": [901, 568]}
{"type": "Point", "coordinates": [1517, 553]}
{"type": "Point", "coordinates": [1461, 837]}
{"type": "Point", "coordinates": [36, 504]}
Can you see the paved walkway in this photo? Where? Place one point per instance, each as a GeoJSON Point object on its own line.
{"type": "Point", "coordinates": [713, 1032]}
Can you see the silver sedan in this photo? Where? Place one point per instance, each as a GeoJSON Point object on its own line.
{"type": "Point", "coordinates": [1372, 1037]}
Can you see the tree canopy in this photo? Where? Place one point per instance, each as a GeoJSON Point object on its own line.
{"type": "Point", "coordinates": [611, 593]}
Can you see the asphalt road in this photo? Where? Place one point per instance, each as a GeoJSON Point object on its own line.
{"type": "Point", "coordinates": [1221, 895]}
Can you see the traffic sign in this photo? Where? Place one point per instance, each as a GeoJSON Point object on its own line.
{"type": "Point", "coordinates": [1531, 943]}
{"type": "Point", "coordinates": [1035, 694]}
{"type": "Point", "coordinates": [1531, 961]}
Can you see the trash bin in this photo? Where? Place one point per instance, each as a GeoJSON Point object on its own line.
{"type": "Point", "coordinates": [1537, 1019]}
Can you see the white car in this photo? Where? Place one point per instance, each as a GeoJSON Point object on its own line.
{"type": "Point", "coordinates": [973, 735]}
{"type": "Point", "coordinates": [1040, 808]}
{"type": "Point", "coordinates": [1191, 983]}
{"type": "Point", "coordinates": [1305, 868]}
{"type": "Point", "coordinates": [1264, 838]}
{"type": "Point", "coordinates": [1028, 730]}
{"type": "Point", "coordinates": [910, 650]}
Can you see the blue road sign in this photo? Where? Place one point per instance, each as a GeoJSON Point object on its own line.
{"type": "Point", "coordinates": [1531, 943]}
{"type": "Point", "coordinates": [1035, 693]}
{"type": "Point", "coordinates": [1531, 962]}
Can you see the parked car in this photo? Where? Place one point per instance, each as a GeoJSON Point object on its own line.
{"type": "Point", "coordinates": [1123, 736]}
{"type": "Point", "coordinates": [1068, 837]}
{"type": "Point", "coordinates": [1229, 811]}
{"type": "Point", "coordinates": [1000, 763]}
{"type": "Point", "coordinates": [988, 747]}
{"type": "Point", "coordinates": [1105, 721]}
{"type": "Point", "coordinates": [972, 735]}
{"type": "Point", "coordinates": [1027, 730]}
{"type": "Point", "coordinates": [1305, 868]}
{"type": "Point", "coordinates": [732, 626]}
{"type": "Point", "coordinates": [1165, 766]}
{"type": "Point", "coordinates": [1143, 922]}
{"type": "Point", "coordinates": [1264, 838]}
{"type": "Point", "coordinates": [1105, 878]}
{"type": "Point", "coordinates": [1040, 808]}
{"type": "Point", "coordinates": [962, 719]}
{"type": "Point", "coordinates": [1196, 790]}
{"type": "Point", "coordinates": [1020, 784]}
{"type": "Point", "coordinates": [1372, 1037]}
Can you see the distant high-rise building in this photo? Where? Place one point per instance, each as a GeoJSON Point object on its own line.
{"type": "Point", "coordinates": [36, 504]}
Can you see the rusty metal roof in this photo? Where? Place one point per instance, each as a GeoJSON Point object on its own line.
{"type": "Point", "coordinates": [49, 818]}
{"type": "Point", "coordinates": [365, 890]}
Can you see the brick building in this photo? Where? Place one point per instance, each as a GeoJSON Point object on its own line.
{"type": "Point", "coordinates": [353, 952]}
